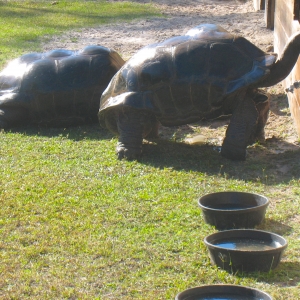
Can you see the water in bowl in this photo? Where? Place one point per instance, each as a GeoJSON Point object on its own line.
{"type": "Point", "coordinates": [248, 244]}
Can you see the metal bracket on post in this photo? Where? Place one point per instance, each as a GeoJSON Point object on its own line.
{"type": "Point", "coordinates": [295, 85]}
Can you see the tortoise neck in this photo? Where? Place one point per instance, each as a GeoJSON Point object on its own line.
{"type": "Point", "coordinates": [284, 65]}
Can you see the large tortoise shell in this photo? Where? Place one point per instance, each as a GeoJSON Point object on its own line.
{"type": "Point", "coordinates": [189, 77]}
{"type": "Point", "coordinates": [56, 86]}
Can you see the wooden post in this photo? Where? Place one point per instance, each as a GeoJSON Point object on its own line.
{"type": "Point", "coordinates": [259, 4]}
{"type": "Point", "coordinates": [294, 96]}
{"type": "Point", "coordinates": [269, 13]}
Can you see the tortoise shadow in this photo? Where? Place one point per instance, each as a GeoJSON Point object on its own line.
{"type": "Point", "coordinates": [75, 133]}
{"type": "Point", "coordinates": [267, 164]}
{"type": "Point", "coordinates": [262, 164]}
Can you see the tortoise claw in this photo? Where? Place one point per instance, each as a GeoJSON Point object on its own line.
{"type": "Point", "coordinates": [120, 155]}
{"type": "Point", "coordinates": [128, 153]}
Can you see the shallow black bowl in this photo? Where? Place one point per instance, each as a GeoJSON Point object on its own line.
{"type": "Point", "coordinates": [222, 291]}
{"type": "Point", "coordinates": [229, 210]}
{"type": "Point", "coordinates": [245, 250]}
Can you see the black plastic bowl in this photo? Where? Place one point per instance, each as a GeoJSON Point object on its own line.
{"type": "Point", "coordinates": [217, 292]}
{"type": "Point", "coordinates": [229, 210]}
{"type": "Point", "coordinates": [245, 250]}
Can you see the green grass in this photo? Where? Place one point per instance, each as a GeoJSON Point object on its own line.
{"type": "Point", "coordinates": [24, 23]}
{"type": "Point", "coordinates": [78, 224]}
{"type": "Point", "coordinates": [75, 223]}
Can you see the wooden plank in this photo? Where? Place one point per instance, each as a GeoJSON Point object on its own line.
{"type": "Point", "coordinates": [270, 13]}
{"type": "Point", "coordinates": [280, 36]}
{"type": "Point", "coordinates": [284, 12]}
{"type": "Point", "coordinates": [284, 5]}
{"type": "Point", "coordinates": [283, 21]}
{"type": "Point", "coordinates": [284, 27]}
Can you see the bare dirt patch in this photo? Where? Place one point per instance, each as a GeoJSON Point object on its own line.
{"type": "Point", "coordinates": [238, 17]}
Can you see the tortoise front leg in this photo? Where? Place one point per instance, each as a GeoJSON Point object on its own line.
{"type": "Point", "coordinates": [130, 134]}
{"type": "Point", "coordinates": [12, 116]}
{"type": "Point", "coordinates": [242, 126]}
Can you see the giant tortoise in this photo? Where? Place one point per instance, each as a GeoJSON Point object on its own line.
{"type": "Point", "coordinates": [203, 74]}
{"type": "Point", "coordinates": [57, 88]}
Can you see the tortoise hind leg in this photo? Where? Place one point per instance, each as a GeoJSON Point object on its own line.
{"type": "Point", "coordinates": [246, 125]}
{"type": "Point", "coordinates": [151, 126]}
{"type": "Point", "coordinates": [262, 104]}
{"type": "Point", "coordinates": [132, 126]}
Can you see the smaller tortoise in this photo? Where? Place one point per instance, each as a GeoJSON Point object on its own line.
{"type": "Point", "coordinates": [204, 74]}
{"type": "Point", "coordinates": [57, 88]}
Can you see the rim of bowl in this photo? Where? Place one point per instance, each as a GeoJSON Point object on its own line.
{"type": "Point", "coordinates": [235, 210]}
{"type": "Point", "coordinates": [206, 286]}
{"type": "Point", "coordinates": [277, 249]}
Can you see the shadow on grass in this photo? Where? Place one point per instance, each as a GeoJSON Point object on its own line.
{"type": "Point", "coordinates": [263, 165]}
{"type": "Point", "coordinates": [75, 133]}
{"type": "Point", "coordinates": [287, 274]}
{"type": "Point", "coordinates": [276, 227]}
{"type": "Point", "coordinates": [260, 165]}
